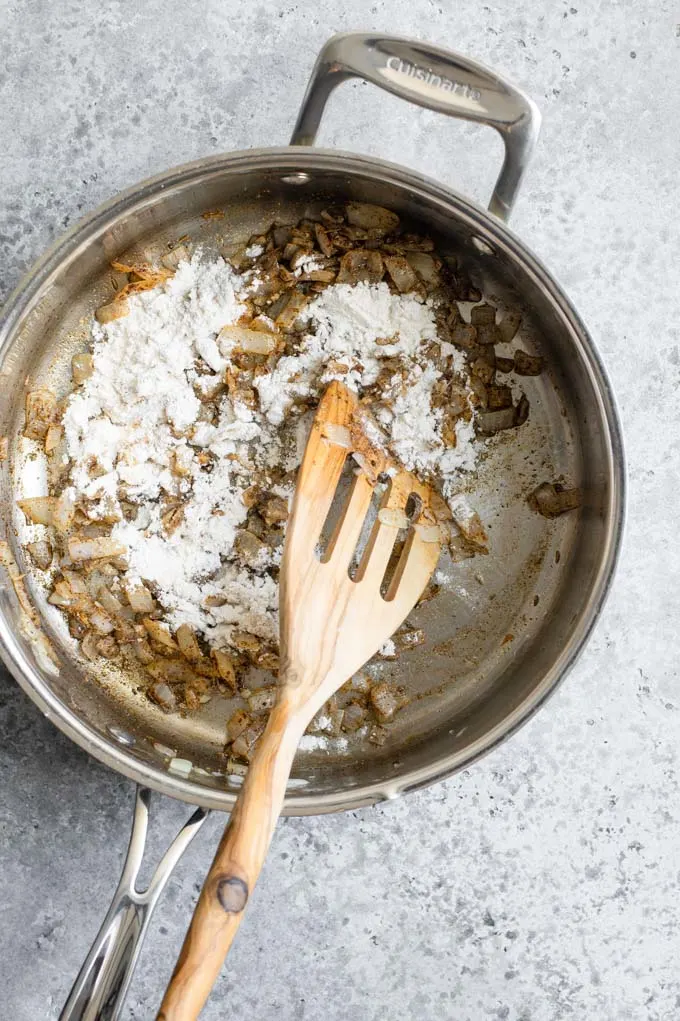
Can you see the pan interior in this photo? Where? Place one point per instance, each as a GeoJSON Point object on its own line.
{"type": "Point", "coordinates": [498, 634]}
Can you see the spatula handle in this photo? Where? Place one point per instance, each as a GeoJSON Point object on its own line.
{"type": "Point", "coordinates": [235, 868]}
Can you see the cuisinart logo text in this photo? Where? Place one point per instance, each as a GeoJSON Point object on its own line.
{"type": "Point", "coordinates": [424, 74]}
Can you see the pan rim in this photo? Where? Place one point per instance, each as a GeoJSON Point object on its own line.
{"type": "Point", "coordinates": [292, 159]}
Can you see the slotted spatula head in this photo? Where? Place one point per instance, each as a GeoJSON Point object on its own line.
{"type": "Point", "coordinates": [331, 622]}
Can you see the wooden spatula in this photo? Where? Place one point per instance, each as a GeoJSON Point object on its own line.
{"type": "Point", "coordinates": [330, 625]}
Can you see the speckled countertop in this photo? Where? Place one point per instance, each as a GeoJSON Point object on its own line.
{"type": "Point", "coordinates": [543, 883]}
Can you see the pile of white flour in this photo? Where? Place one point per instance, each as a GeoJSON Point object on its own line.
{"type": "Point", "coordinates": [136, 431]}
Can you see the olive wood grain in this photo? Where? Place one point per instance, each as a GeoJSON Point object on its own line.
{"type": "Point", "coordinates": [330, 624]}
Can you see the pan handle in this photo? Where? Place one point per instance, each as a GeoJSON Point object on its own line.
{"type": "Point", "coordinates": [436, 79]}
{"type": "Point", "coordinates": [101, 985]}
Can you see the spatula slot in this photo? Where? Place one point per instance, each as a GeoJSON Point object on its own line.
{"type": "Point", "coordinates": [402, 546]}
{"type": "Point", "coordinates": [367, 526]}
{"type": "Point", "coordinates": [336, 511]}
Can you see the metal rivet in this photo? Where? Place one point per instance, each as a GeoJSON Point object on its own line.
{"type": "Point", "coordinates": [121, 736]}
{"type": "Point", "coordinates": [300, 178]}
{"type": "Point", "coordinates": [482, 246]}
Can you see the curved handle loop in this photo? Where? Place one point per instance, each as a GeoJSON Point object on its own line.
{"type": "Point", "coordinates": [103, 981]}
{"type": "Point", "coordinates": [436, 79]}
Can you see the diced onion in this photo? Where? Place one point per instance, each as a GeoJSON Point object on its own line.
{"type": "Point", "coordinates": [551, 500]}
{"type": "Point", "coordinates": [172, 259]}
{"type": "Point", "coordinates": [252, 341]}
{"type": "Point", "coordinates": [181, 766]}
{"type": "Point", "coordinates": [428, 533]}
{"type": "Point", "coordinates": [40, 553]}
{"type": "Point", "coordinates": [53, 438]}
{"type": "Point", "coordinates": [393, 517]}
{"type": "Point", "coordinates": [262, 699]}
{"type": "Point", "coordinates": [41, 407]}
{"type": "Point", "coordinates": [236, 768]}
{"type": "Point", "coordinates": [370, 217]}
{"type": "Point", "coordinates": [75, 581]}
{"type": "Point", "coordinates": [101, 621]}
{"type": "Point", "coordinates": [225, 667]}
{"type": "Point", "coordinates": [110, 603]}
{"type": "Point", "coordinates": [159, 633]}
{"type": "Point", "coordinates": [468, 521]}
{"type": "Point", "coordinates": [64, 511]}
{"type": "Point", "coordinates": [139, 597]}
{"type": "Point", "coordinates": [337, 434]}
{"type": "Point", "coordinates": [88, 646]}
{"type": "Point", "coordinates": [82, 367]}
{"type": "Point", "coordinates": [163, 749]}
{"type": "Point", "coordinates": [38, 509]}
{"type": "Point", "coordinates": [115, 309]}
{"type": "Point", "coordinates": [188, 643]}
{"type": "Point", "coordinates": [101, 547]}
{"type": "Point", "coordinates": [163, 694]}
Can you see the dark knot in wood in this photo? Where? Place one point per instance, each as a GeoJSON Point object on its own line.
{"type": "Point", "coordinates": [232, 893]}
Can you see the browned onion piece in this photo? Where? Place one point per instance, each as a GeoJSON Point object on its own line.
{"type": "Point", "coordinates": [256, 342]}
{"type": "Point", "coordinates": [245, 743]}
{"type": "Point", "coordinates": [172, 259]}
{"type": "Point", "coordinates": [469, 523]}
{"type": "Point", "coordinates": [163, 695]}
{"type": "Point", "coordinates": [237, 723]}
{"type": "Point", "coordinates": [551, 499]}
{"type": "Point", "coordinates": [528, 365]}
{"type": "Point", "coordinates": [360, 265]}
{"type": "Point", "coordinates": [82, 367]}
{"type": "Point", "coordinates": [53, 437]}
{"type": "Point", "coordinates": [41, 408]}
{"type": "Point", "coordinates": [464, 335]}
{"type": "Point", "coordinates": [188, 643]}
{"type": "Point", "coordinates": [490, 422]}
{"type": "Point", "coordinates": [483, 315]}
{"type": "Point", "coordinates": [354, 717]}
{"type": "Point", "coordinates": [115, 309]}
{"type": "Point", "coordinates": [370, 217]}
{"type": "Point", "coordinates": [509, 326]}
{"type": "Point", "coordinates": [40, 553]}
{"type": "Point", "coordinates": [262, 699]}
{"type": "Point", "coordinates": [323, 240]}
{"type": "Point", "coordinates": [160, 634]}
{"type": "Point", "coordinates": [102, 547]}
{"type": "Point", "coordinates": [274, 509]}
{"type": "Point", "coordinates": [386, 701]}
{"type": "Point", "coordinates": [139, 597]}
{"type": "Point", "coordinates": [426, 266]}
{"type": "Point", "coordinates": [225, 667]}
{"type": "Point", "coordinates": [38, 509]}
{"type": "Point", "coordinates": [64, 511]}
{"type": "Point", "coordinates": [292, 307]}
{"type": "Point", "coordinates": [401, 273]}
{"type": "Point", "coordinates": [504, 364]}
{"type": "Point", "coordinates": [499, 397]}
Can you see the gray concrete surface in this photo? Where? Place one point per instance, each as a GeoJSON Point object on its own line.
{"type": "Point", "coordinates": [542, 884]}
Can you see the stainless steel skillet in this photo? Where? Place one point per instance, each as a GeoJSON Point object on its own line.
{"type": "Point", "coordinates": [545, 581]}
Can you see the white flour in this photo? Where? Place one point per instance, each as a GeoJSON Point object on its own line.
{"type": "Point", "coordinates": [347, 321]}
{"type": "Point", "coordinates": [135, 428]}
